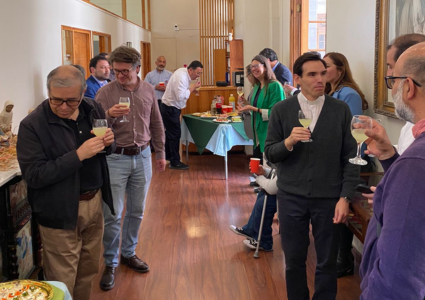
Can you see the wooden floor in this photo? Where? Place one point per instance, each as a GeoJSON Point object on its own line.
{"type": "Point", "coordinates": [192, 254]}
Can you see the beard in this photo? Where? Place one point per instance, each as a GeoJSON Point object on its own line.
{"type": "Point", "coordinates": [402, 111]}
{"type": "Point", "coordinates": [160, 68]}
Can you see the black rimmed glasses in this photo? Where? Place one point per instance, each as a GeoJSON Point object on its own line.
{"type": "Point", "coordinates": [256, 66]}
{"type": "Point", "coordinates": [123, 72]}
{"type": "Point", "coordinates": [390, 81]}
{"type": "Point", "coordinates": [69, 102]}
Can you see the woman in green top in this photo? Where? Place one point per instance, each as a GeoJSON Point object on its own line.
{"type": "Point", "coordinates": [266, 93]}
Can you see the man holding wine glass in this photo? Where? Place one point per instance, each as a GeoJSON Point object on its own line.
{"type": "Point", "coordinates": [132, 109]}
{"type": "Point", "coordinates": [315, 180]}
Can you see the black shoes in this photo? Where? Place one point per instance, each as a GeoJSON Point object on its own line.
{"type": "Point", "coordinates": [135, 264]}
{"type": "Point", "coordinates": [107, 282]}
{"type": "Point", "coordinates": [179, 166]}
{"type": "Point", "coordinates": [239, 230]}
{"type": "Point", "coordinates": [345, 264]}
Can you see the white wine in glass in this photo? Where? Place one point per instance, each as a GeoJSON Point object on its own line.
{"type": "Point", "coordinates": [359, 124]}
{"type": "Point", "coordinates": [99, 127]}
{"type": "Point", "coordinates": [239, 90]}
{"type": "Point", "coordinates": [305, 116]}
{"type": "Point", "coordinates": [124, 101]}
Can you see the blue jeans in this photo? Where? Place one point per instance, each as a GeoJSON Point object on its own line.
{"type": "Point", "coordinates": [253, 225]}
{"type": "Point", "coordinates": [129, 174]}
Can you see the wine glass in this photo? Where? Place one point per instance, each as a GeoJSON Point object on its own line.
{"type": "Point", "coordinates": [290, 84]}
{"type": "Point", "coordinates": [359, 124]}
{"type": "Point", "coordinates": [99, 127]}
{"type": "Point", "coordinates": [305, 116]}
{"type": "Point", "coordinates": [380, 122]}
{"type": "Point", "coordinates": [239, 90]}
{"type": "Point", "coordinates": [124, 101]}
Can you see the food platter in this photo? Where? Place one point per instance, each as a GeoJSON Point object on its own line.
{"type": "Point", "coordinates": [222, 121]}
{"type": "Point", "coordinates": [25, 289]}
{"type": "Point", "coordinates": [237, 119]}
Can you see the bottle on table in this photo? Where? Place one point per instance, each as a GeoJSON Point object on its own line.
{"type": "Point", "coordinates": [232, 102]}
{"type": "Point", "coordinates": [213, 106]}
{"type": "Point", "coordinates": [219, 104]}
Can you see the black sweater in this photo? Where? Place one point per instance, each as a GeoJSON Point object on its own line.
{"type": "Point", "coordinates": [319, 169]}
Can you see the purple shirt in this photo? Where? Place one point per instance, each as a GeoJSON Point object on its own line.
{"type": "Point", "coordinates": [394, 249]}
{"type": "Point", "coordinates": [145, 119]}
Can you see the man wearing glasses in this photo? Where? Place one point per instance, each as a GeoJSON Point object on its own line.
{"type": "Point", "coordinates": [67, 177]}
{"type": "Point", "coordinates": [174, 100]}
{"type": "Point", "coordinates": [393, 253]}
{"type": "Point", "coordinates": [130, 166]}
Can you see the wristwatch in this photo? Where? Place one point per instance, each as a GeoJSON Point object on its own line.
{"type": "Point", "coordinates": [347, 199]}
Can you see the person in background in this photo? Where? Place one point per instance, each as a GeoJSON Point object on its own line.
{"type": "Point", "coordinates": [281, 72]}
{"type": "Point", "coordinates": [304, 194]}
{"type": "Point", "coordinates": [6, 116]}
{"type": "Point", "coordinates": [67, 177]}
{"type": "Point", "coordinates": [157, 76]}
{"type": "Point", "coordinates": [99, 69]}
{"type": "Point", "coordinates": [341, 85]}
{"type": "Point", "coordinates": [130, 165]}
{"type": "Point", "coordinates": [174, 100]}
{"type": "Point", "coordinates": [393, 253]}
{"type": "Point", "coordinates": [111, 73]}
{"type": "Point", "coordinates": [266, 93]}
{"type": "Point", "coordinates": [266, 179]}
{"type": "Point", "coordinates": [394, 50]}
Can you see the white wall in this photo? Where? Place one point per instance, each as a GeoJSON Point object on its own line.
{"type": "Point", "coordinates": [354, 36]}
{"type": "Point", "coordinates": [179, 47]}
{"type": "Point", "coordinates": [30, 35]}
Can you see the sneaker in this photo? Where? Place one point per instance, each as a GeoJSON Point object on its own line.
{"type": "Point", "coordinates": [179, 166]}
{"type": "Point", "coordinates": [252, 244]}
{"type": "Point", "coordinates": [239, 230]}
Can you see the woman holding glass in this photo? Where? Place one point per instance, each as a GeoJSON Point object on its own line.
{"type": "Point", "coordinates": [266, 93]}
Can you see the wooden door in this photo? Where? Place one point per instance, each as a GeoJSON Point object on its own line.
{"type": "Point", "coordinates": [146, 59]}
{"type": "Point", "coordinates": [81, 47]}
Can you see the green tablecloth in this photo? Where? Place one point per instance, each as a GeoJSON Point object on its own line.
{"type": "Point", "coordinates": [201, 130]}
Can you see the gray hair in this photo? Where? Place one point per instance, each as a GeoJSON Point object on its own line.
{"type": "Point", "coordinates": [59, 78]}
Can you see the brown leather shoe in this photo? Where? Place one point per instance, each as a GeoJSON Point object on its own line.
{"type": "Point", "coordinates": [135, 263]}
{"type": "Point", "coordinates": [107, 282]}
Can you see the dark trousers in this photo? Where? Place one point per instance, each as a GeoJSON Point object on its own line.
{"type": "Point", "coordinates": [258, 154]}
{"type": "Point", "coordinates": [253, 225]}
{"type": "Point", "coordinates": [295, 215]}
{"type": "Point", "coordinates": [171, 118]}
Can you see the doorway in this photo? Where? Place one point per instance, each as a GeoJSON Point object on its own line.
{"type": "Point", "coordinates": [76, 47]}
{"type": "Point", "coordinates": [146, 59]}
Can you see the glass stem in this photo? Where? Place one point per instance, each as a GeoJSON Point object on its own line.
{"type": "Point", "coordinates": [359, 146]}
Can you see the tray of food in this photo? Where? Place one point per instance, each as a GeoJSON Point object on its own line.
{"type": "Point", "coordinates": [25, 289]}
{"type": "Point", "coordinates": [222, 120]}
{"type": "Point", "coordinates": [237, 119]}
{"type": "Point", "coordinates": [197, 114]}
{"type": "Point", "coordinates": [208, 116]}
{"type": "Point", "coordinates": [233, 113]}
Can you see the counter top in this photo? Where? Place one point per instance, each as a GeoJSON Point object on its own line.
{"type": "Point", "coordinates": [6, 176]}
{"type": "Point", "coordinates": [217, 88]}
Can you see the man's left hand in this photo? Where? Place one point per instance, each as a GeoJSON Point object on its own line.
{"type": "Point", "coordinates": [341, 211]}
{"type": "Point", "coordinates": [160, 165]}
{"type": "Point", "coordinates": [108, 138]}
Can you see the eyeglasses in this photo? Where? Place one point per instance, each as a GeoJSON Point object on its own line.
{"type": "Point", "coordinates": [390, 81]}
{"type": "Point", "coordinates": [256, 66]}
{"type": "Point", "coordinates": [123, 72]}
{"type": "Point", "coordinates": [59, 102]}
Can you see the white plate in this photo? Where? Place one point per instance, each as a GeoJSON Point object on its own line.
{"type": "Point", "coordinates": [221, 122]}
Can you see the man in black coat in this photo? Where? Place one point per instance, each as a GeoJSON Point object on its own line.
{"type": "Point", "coordinates": [282, 72]}
{"type": "Point", "coordinates": [67, 177]}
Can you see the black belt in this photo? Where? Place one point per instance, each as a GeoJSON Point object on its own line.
{"type": "Point", "coordinates": [130, 150]}
{"type": "Point", "coordinates": [86, 196]}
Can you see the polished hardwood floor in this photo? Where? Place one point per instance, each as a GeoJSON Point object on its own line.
{"type": "Point", "coordinates": [192, 254]}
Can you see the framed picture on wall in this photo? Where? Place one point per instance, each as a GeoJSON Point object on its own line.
{"type": "Point", "coordinates": [393, 18]}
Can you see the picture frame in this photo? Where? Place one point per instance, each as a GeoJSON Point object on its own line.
{"type": "Point", "coordinates": [393, 18]}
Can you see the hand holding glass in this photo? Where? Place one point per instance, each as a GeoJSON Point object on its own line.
{"type": "Point", "coordinates": [99, 127]}
{"type": "Point", "coordinates": [239, 90]}
{"type": "Point", "coordinates": [305, 116]}
{"type": "Point", "coordinates": [358, 126]}
{"type": "Point", "coordinates": [124, 101]}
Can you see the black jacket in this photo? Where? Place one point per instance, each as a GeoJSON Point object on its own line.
{"type": "Point", "coordinates": [282, 74]}
{"type": "Point", "coordinates": [47, 156]}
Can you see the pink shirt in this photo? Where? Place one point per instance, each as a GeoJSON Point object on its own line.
{"type": "Point", "coordinates": [145, 118]}
{"type": "Point", "coordinates": [418, 128]}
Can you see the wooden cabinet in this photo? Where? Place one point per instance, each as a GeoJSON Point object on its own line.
{"type": "Point", "coordinates": [228, 60]}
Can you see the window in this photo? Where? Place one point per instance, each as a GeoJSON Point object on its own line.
{"type": "Point", "coordinates": [101, 43]}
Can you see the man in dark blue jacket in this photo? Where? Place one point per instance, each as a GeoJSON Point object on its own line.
{"type": "Point", "coordinates": [67, 177]}
{"type": "Point", "coordinates": [282, 72]}
{"type": "Point", "coordinates": [99, 69]}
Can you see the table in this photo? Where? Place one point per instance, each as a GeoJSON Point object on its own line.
{"type": "Point", "coordinates": [218, 138]}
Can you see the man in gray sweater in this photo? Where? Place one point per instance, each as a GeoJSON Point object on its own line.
{"type": "Point", "coordinates": [315, 179]}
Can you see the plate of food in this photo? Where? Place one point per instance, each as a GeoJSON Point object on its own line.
{"type": "Point", "coordinates": [233, 113]}
{"type": "Point", "coordinates": [196, 114]}
{"type": "Point", "coordinates": [236, 119]}
{"type": "Point", "coordinates": [208, 116]}
{"type": "Point", "coordinates": [25, 289]}
{"type": "Point", "coordinates": [221, 120]}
